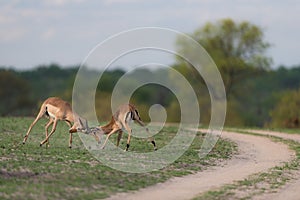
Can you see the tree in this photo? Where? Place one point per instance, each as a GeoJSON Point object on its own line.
{"type": "Point", "coordinates": [287, 111]}
{"type": "Point", "coordinates": [238, 50]}
{"type": "Point", "coordinates": [14, 93]}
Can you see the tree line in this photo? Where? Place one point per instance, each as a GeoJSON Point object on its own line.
{"type": "Point", "coordinates": [271, 98]}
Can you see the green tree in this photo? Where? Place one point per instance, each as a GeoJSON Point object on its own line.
{"type": "Point", "coordinates": [14, 93]}
{"type": "Point", "coordinates": [48, 80]}
{"type": "Point", "coordinates": [238, 50]}
{"type": "Point", "coordinates": [287, 111]}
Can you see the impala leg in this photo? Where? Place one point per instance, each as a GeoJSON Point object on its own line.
{"type": "Point", "coordinates": [119, 137]}
{"type": "Point", "coordinates": [129, 131]}
{"type": "Point", "coordinates": [69, 124]}
{"type": "Point", "coordinates": [71, 134]}
{"type": "Point", "coordinates": [38, 117]}
{"type": "Point", "coordinates": [52, 131]}
{"type": "Point", "coordinates": [70, 141]}
{"type": "Point", "coordinates": [46, 129]}
{"type": "Point", "coordinates": [108, 135]}
{"type": "Point", "coordinates": [97, 138]}
{"type": "Point", "coordinates": [151, 138]}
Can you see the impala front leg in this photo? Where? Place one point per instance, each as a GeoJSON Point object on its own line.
{"type": "Point", "coordinates": [52, 131]}
{"type": "Point", "coordinates": [129, 131]}
{"type": "Point", "coordinates": [119, 137]}
{"type": "Point", "coordinates": [147, 130]}
{"type": "Point", "coordinates": [70, 140]}
{"type": "Point", "coordinates": [71, 131]}
{"type": "Point", "coordinates": [108, 135]}
{"type": "Point", "coordinates": [46, 130]}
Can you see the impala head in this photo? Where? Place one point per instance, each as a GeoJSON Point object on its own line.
{"type": "Point", "coordinates": [97, 132]}
{"type": "Point", "coordinates": [81, 125]}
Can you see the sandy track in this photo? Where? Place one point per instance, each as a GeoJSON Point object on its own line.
{"type": "Point", "coordinates": [291, 190]}
{"type": "Point", "coordinates": [294, 137]}
{"type": "Point", "coordinates": [256, 154]}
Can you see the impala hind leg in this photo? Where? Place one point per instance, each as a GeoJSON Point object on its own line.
{"type": "Point", "coordinates": [38, 117]}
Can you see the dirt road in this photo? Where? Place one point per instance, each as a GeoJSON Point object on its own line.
{"type": "Point", "coordinates": [256, 154]}
{"type": "Point", "coordinates": [291, 190]}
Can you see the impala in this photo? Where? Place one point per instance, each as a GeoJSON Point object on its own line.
{"type": "Point", "coordinates": [119, 121]}
{"type": "Point", "coordinates": [57, 109]}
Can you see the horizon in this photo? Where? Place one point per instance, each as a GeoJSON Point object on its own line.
{"type": "Point", "coordinates": [115, 68]}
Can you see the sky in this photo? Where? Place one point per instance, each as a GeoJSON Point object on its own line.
{"type": "Point", "coordinates": [37, 32]}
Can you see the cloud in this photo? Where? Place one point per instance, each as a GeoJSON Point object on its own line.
{"type": "Point", "coordinates": [89, 22]}
{"type": "Point", "coordinates": [4, 19]}
{"type": "Point", "coordinates": [48, 34]}
{"type": "Point", "coordinates": [110, 2]}
{"type": "Point", "coordinates": [12, 34]}
{"type": "Point", "coordinates": [61, 2]}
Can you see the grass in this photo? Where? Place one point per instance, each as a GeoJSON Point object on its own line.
{"type": "Point", "coordinates": [260, 183]}
{"type": "Point", "coordinates": [32, 172]}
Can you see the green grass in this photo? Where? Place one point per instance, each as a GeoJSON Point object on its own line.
{"type": "Point", "coordinates": [32, 172]}
{"type": "Point", "coordinates": [266, 182]}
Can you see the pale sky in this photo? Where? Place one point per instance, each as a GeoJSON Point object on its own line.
{"type": "Point", "coordinates": [34, 32]}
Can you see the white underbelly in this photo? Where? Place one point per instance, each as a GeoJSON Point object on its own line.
{"type": "Point", "coordinates": [51, 115]}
